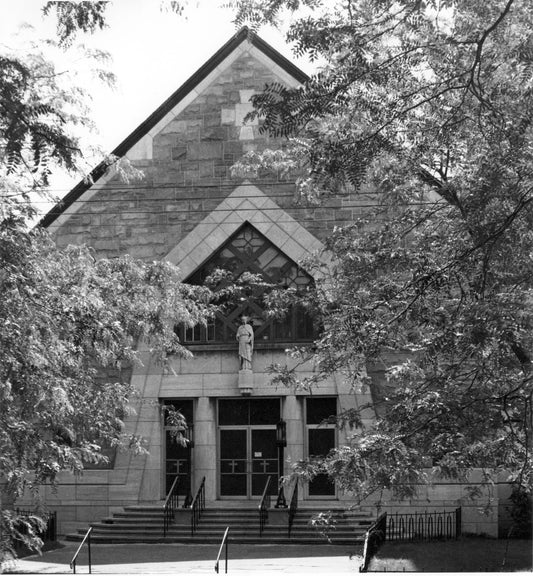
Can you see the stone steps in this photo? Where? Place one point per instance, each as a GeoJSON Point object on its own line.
{"type": "Point", "coordinates": [137, 524]}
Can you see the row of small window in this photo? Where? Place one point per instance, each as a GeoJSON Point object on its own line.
{"type": "Point", "coordinates": [296, 326]}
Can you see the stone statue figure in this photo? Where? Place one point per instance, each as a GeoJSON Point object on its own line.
{"type": "Point", "coordinates": [245, 337]}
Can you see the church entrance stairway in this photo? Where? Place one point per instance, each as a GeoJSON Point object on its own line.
{"type": "Point", "coordinates": [145, 524]}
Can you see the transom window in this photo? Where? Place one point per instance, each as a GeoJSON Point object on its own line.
{"type": "Point", "coordinates": [249, 252]}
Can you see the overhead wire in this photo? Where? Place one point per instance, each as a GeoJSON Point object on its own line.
{"type": "Point", "coordinates": [144, 213]}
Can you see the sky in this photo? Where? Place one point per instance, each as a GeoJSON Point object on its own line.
{"type": "Point", "coordinates": [153, 53]}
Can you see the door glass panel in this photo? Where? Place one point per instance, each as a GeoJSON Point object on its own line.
{"type": "Point", "coordinates": [320, 409]}
{"type": "Point", "coordinates": [264, 411]}
{"type": "Point", "coordinates": [234, 485]}
{"type": "Point", "coordinates": [233, 458]}
{"type": "Point", "coordinates": [233, 412]}
{"type": "Point", "coordinates": [233, 444]}
{"type": "Point", "coordinates": [264, 461]}
{"type": "Point", "coordinates": [177, 463]}
{"type": "Point", "coordinates": [177, 456]}
{"type": "Point", "coordinates": [321, 485]}
{"type": "Point", "coordinates": [321, 441]}
{"type": "Point", "coordinates": [260, 411]}
{"type": "Point", "coordinates": [264, 444]}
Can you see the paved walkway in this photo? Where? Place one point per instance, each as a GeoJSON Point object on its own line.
{"type": "Point", "coordinates": [195, 559]}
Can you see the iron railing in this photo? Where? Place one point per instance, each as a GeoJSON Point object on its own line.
{"type": "Point", "coordinates": [374, 538]}
{"type": "Point", "coordinates": [443, 525]}
{"type": "Point", "coordinates": [197, 506]}
{"type": "Point", "coordinates": [225, 541]}
{"type": "Point", "coordinates": [264, 506]}
{"type": "Point", "coordinates": [170, 506]}
{"type": "Point", "coordinates": [293, 507]}
{"type": "Point", "coordinates": [87, 538]}
{"type": "Point", "coordinates": [187, 502]}
{"type": "Point", "coordinates": [280, 501]}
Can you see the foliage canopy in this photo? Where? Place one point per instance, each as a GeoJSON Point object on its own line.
{"type": "Point", "coordinates": [71, 326]}
{"type": "Point", "coordinates": [426, 106]}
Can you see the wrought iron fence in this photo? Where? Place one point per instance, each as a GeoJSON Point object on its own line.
{"type": "Point", "coordinates": [443, 525]}
{"type": "Point", "coordinates": [47, 534]}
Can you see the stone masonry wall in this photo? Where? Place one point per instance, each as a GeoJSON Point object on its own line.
{"type": "Point", "coordinates": [190, 174]}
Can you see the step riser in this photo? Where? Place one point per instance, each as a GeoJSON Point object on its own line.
{"type": "Point", "coordinates": [217, 538]}
{"type": "Point", "coordinates": [207, 531]}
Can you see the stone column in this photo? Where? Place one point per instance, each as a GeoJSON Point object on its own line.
{"type": "Point", "coordinates": [292, 414]}
{"type": "Point", "coordinates": [205, 446]}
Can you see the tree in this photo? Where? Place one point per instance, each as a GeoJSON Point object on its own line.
{"type": "Point", "coordinates": [71, 326]}
{"type": "Point", "coordinates": [425, 104]}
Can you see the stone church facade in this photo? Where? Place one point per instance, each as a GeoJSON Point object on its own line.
{"type": "Point", "coordinates": [190, 210]}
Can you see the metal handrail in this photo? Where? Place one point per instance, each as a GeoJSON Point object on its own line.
{"type": "Point", "coordinates": [293, 507]}
{"type": "Point", "coordinates": [187, 503]}
{"type": "Point", "coordinates": [264, 506]}
{"type": "Point", "coordinates": [197, 506]}
{"type": "Point", "coordinates": [281, 502]}
{"type": "Point", "coordinates": [224, 541]}
{"type": "Point", "coordinates": [75, 557]}
{"type": "Point", "coordinates": [171, 503]}
{"type": "Point", "coordinates": [374, 537]}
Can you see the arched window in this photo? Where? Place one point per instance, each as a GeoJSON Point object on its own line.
{"type": "Point", "coordinates": [248, 251]}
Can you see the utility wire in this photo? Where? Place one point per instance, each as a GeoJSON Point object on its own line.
{"type": "Point", "coordinates": [143, 213]}
{"type": "Point", "coordinates": [147, 190]}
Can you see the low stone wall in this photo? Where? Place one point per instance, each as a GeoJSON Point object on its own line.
{"type": "Point", "coordinates": [480, 515]}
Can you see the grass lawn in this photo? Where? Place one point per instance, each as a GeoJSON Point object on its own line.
{"type": "Point", "coordinates": [468, 554]}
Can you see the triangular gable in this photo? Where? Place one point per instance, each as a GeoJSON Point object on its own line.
{"type": "Point", "coordinates": [138, 143]}
{"type": "Point", "coordinates": [246, 203]}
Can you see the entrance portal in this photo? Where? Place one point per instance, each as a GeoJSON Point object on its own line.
{"type": "Point", "coordinates": [248, 453]}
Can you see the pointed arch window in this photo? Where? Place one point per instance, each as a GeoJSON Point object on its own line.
{"type": "Point", "coordinates": [248, 251]}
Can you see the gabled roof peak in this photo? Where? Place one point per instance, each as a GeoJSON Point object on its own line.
{"type": "Point", "coordinates": [244, 34]}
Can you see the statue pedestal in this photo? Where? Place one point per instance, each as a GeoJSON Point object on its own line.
{"type": "Point", "coordinates": [246, 382]}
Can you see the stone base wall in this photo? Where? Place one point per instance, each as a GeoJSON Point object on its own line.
{"type": "Point", "coordinates": [480, 516]}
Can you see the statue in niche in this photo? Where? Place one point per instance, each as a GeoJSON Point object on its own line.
{"type": "Point", "coordinates": [245, 337]}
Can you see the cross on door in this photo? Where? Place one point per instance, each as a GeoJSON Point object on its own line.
{"type": "Point", "coordinates": [234, 464]}
{"type": "Point", "coordinates": [265, 465]}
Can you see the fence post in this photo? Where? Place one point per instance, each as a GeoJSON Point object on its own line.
{"type": "Point", "coordinates": [458, 526]}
